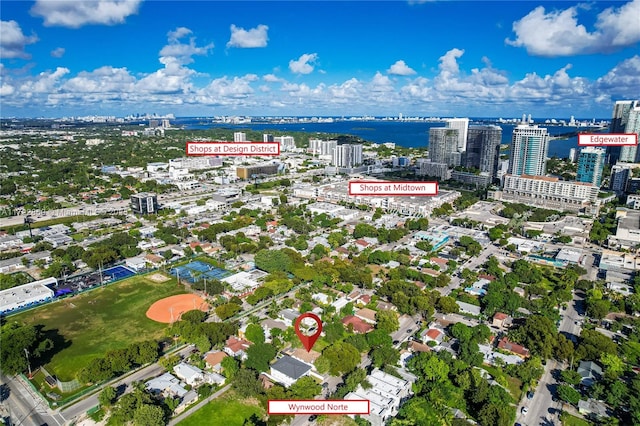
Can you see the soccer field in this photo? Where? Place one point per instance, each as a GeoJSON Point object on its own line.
{"type": "Point", "coordinates": [93, 323]}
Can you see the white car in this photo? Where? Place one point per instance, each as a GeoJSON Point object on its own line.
{"type": "Point", "coordinates": [525, 410]}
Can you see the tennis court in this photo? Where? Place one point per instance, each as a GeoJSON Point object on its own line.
{"type": "Point", "coordinates": [117, 273]}
{"type": "Point", "coordinates": [197, 270]}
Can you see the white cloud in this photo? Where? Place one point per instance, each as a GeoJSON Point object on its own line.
{"type": "Point", "coordinates": [6, 89]}
{"type": "Point", "coordinates": [58, 52]}
{"type": "Point", "coordinates": [400, 68]}
{"type": "Point", "coordinates": [13, 41]}
{"type": "Point", "coordinates": [181, 53]}
{"type": "Point", "coordinates": [623, 80]}
{"type": "Point", "coordinates": [77, 13]}
{"type": "Point", "coordinates": [558, 33]}
{"type": "Point", "coordinates": [255, 37]}
{"type": "Point", "coordinates": [304, 64]}
{"type": "Point", "coordinates": [272, 78]}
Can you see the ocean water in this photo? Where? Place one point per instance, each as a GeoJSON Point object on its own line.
{"type": "Point", "coordinates": [404, 133]}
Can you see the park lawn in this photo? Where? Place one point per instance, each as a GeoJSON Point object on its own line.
{"type": "Point", "coordinates": [107, 318]}
{"type": "Point", "coordinates": [224, 411]}
{"type": "Point", "coordinates": [569, 420]}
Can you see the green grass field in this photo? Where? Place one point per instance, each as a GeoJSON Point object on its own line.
{"type": "Point", "coordinates": [93, 323]}
{"type": "Point", "coordinates": [222, 412]}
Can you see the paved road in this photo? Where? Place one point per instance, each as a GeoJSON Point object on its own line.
{"type": "Point", "coordinates": [25, 407]}
{"type": "Point", "coordinates": [542, 409]}
{"type": "Point", "coordinates": [408, 326]}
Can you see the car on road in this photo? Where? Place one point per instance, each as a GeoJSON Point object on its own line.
{"type": "Point", "coordinates": [530, 395]}
{"type": "Point", "coordinates": [312, 418]}
{"type": "Point", "coordinates": [525, 410]}
{"type": "Point", "coordinates": [410, 330]}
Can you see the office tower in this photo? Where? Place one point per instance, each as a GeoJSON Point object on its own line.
{"type": "Point", "coordinates": [347, 155]}
{"type": "Point", "coordinates": [483, 148]}
{"type": "Point", "coordinates": [462, 125]}
{"type": "Point", "coordinates": [165, 123]}
{"type": "Point", "coordinates": [621, 111]}
{"type": "Point", "coordinates": [529, 147]}
{"type": "Point", "coordinates": [240, 137]}
{"type": "Point", "coordinates": [443, 143]}
{"type": "Point", "coordinates": [267, 137]}
{"type": "Point", "coordinates": [144, 203]}
{"type": "Point", "coordinates": [573, 155]}
{"type": "Point", "coordinates": [590, 165]}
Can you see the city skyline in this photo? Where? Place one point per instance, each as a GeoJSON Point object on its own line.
{"type": "Point", "coordinates": [210, 58]}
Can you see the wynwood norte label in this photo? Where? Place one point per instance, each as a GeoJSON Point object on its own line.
{"type": "Point", "coordinates": [357, 406]}
{"type": "Point", "coordinates": [233, 148]}
{"type": "Point", "coordinates": [393, 188]}
{"type": "Point", "coordinates": [611, 139]}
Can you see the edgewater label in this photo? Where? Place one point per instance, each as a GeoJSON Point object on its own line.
{"type": "Point", "coordinates": [233, 148]}
{"type": "Point", "coordinates": [363, 187]}
{"type": "Point", "coordinates": [607, 139]}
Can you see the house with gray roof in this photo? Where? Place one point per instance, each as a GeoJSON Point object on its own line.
{"type": "Point", "coordinates": [288, 370]}
{"type": "Point", "coordinates": [590, 373]}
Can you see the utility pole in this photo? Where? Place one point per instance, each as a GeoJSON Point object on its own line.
{"type": "Point", "coordinates": [26, 353]}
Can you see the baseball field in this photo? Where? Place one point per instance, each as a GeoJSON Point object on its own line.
{"type": "Point", "coordinates": [100, 320]}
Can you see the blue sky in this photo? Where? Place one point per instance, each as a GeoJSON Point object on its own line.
{"type": "Point", "coordinates": [433, 58]}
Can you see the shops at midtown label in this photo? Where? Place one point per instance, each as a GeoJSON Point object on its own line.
{"type": "Point", "coordinates": [233, 148]}
{"type": "Point", "coordinates": [607, 139]}
{"type": "Point", "coordinates": [385, 188]}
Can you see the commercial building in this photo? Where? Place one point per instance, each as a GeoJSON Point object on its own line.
{"type": "Point", "coordinates": [529, 148]}
{"type": "Point", "coordinates": [620, 176]}
{"type": "Point", "coordinates": [347, 155]}
{"type": "Point", "coordinates": [144, 203]}
{"type": "Point", "coordinates": [248, 172]}
{"type": "Point", "coordinates": [591, 165]}
{"type": "Point", "coordinates": [628, 230]}
{"type": "Point", "coordinates": [548, 192]}
{"type": "Point", "coordinates": [26, 295]}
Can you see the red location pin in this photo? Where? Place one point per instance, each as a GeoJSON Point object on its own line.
{"type": "Point", "coordinates": [308, 341]}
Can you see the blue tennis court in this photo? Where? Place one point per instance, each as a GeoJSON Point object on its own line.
{"type": "Point", "coordinates": [197, 270]}
{"type": "Point", "coordinates": [118, 273]}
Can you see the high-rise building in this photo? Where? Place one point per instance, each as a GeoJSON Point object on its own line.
{"type": "Point", "coordinates": [529, 148]}
{"type": "Point", "coordinates": [483, 148]}
{"type": "Point", "coordinates": [462, 126]}
{"type": "Point", "coordinates": [443, 144]}
{"type": "Point", "coordinates": [590, 165]}
{"type": "Point", "coordinates": [267, 137]}
{"type": "Point", "coordinates": [239, 137]}
{"type": "Point", "coordinates": [619, 120]}
{"type": "Point", "coordinates": [144, 203]}
{"type": "Point", "coordinates": [630, 153]}
{"type": "Point", "coordinates": [347, 155]}
{"type": "Point", "coordinates": [320, 147]}
{"type": "Point", "coordinates": [573, 155]}
{"type": "Point", "coordinates": [287, 143]}
{"type": "Point", "coordinates": [620, 175]}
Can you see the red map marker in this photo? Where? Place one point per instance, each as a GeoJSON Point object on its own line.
{"type": "Point", "coordinates": [308, 341]}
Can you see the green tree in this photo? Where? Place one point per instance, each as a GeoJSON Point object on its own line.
{"type": "Point", "coordinates": [447, 305]}
{"type": "Point", "coordinates": [246, 383]}
{"type": "Point", "coordinates": [305, 388]}
{"type": "Point", "coordinates": [568, 394]}
{"type": "Point", "coordinates": [107, 396]}
{"type": "Point", "coordinates": [149, 415]}
{"type": "Point", "coordinates": [255, 333]}
{"type": "Point", "coordinates": [387, 321]}
{"type": "Point", "coordinates": [259, 355]}
{"type": "Point", "coordinates": [227, 310]}
{"type": "Point", "coordinates": [343, 358]}
{"type": "Point", "coordinates": [230, 367]}
{"type": "Point", "coordinates": [571, 377]}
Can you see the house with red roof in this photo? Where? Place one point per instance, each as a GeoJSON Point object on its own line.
{"type": "Point", "coordinates": [359, 325]}
{"type": "Point", "coordinates": [502, 320]}
{"type": "Point", "coordinates": [514, 348]}
{"type": "Point", "coordinates": [236, 347]}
